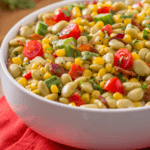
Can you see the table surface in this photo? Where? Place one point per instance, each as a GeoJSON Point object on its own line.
{"type": "Point", "coordinates": [10, 18]}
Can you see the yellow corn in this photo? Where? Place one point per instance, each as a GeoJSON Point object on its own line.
{"type": "Point", "coordinates": [17, 60]}
{"type": "Point", "coordinates": [95, 94]}
{"type": "Point", "coordinates": [101, 34]}
{"type": "Point", "coordinates": [99, 24]}
{"type": "Point", "coordinates": [77, 20]}
{"type": "Point", "coordinates": [108, 67]}
{"type": "Point", "coordinates": [139, 104]}
{"type": "Point", "coordinates": [133, 80]}
{"type": "Point", "coordinates": [92, 24]}
{"type": "Point", "coordinates": [34, 66]}
{"type": "Point", "coordinates": [78, 61]}
{"type": "Point", "coordinates": [127, 21]}
{"type": "Point", "coordinates": [113, 70]}
{"type": "Point", "coordinates": [86, 97]}
{"type": "Point", "coordinates": [54, 89]}
{"type": "Point", "coordinates": [148, 12]}
{"type": "Point", "coordinates": [142, 16]}
{"type": "Point", "coordinates": [49, 60]}
{"type": "Point", "coordinates": [93, 7]}
{"type": "Point", "coordinates": [108, 3]}
{"type": "Point", "coordinates": [45, 47]}
{"type": "Point", "coordinates": [81, 29]}
{"type": "Point", "coordinates": [34, 84]}
{"type": "Point", "coordinates": [68, 65]}
{"type": "Point", "coordinates": [99, 61]}
{"type": "Point", "coordinates": [117, 96]}
{"type": "Point", "coordinates": [23, 82]}
{"type": "Point", "coordinates": [135, 56]}
{"type": "Point", "coordinates": [93, 13]}
{"type": "Point", "coordinates": [45, 41]}
{"type": "Point", "coordinates": [76, 12]}
{"type": "Point", "coordinates": [138, 46]}
{"type": "Point", "coordinates": [102, 84]}
{"type": "Point", "coordinates": [65, 7]}
{"type": "Point", "coordinates": [60, 52]}
{"type": "Point", "coordinates": [130, 8]}
{"type": "Point", "coordinates": [140, 36]}
{"type": "Point", "coordinates": [105, 42]}
{"type": "Point", "coordinates": [72, 104]}
{"type": "Point", "coordinates": [127, 39]}
{"type": "Point", "coordinates": [94, 75]}
{"type": "Point", "coordinates": [36, 91]}
{"type": "Point", "coordinates": [102, 72]}
{"type": "Point", "coordinates": [117, 19]}
{"type": "Point", "coordinates": [87, 73]}
{"type": "Point", "coordinates": [47, 75]}
{"type": "Point", "coordinates": [42, 69]}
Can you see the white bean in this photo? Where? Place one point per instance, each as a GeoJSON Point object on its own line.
{"type": "Point", "coordinates": [125, 103]}
{"type": "Point", "coordinates": [89, 106]}
{"type": "Point", "coordinates": [14, 41]}
{"type": "Point", "coordinates": [80, 79]}
{"type": "Point", "coordinates": [65, 78]}
{"type": "Point", "coordinates": [87, 87]}
{"type": "Point", "coordinates": [25, 31]}
{"type": "Point", "coordinates": [128, 86]}
{"type": "Point", "coordinates": [109, 58]}
{"type": "Point", "coordinates": [42, 87]}
{"type": "Point", "coordinates": [14, 70]}
{"type": "Point", "coordinates": [142, 53]}
{"type": "Point", "coordinates": [112, 103]}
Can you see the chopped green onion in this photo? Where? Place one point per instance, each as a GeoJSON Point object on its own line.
{"type": "Point", "coordinates": [41, 28]}
{"type": "Point", "coordinates": [69, 51]}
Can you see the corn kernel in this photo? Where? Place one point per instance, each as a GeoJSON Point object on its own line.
{"type": "Point", "coordinates": [93, 13]}
{"type": "Point", "coordinates": [86, 97]}
{"type": "Point", "coordinates": [42, 69]}
{"type": "Point", "coordinates": [142, 16]}
{"type": "Point", "coordinates": [113, 70]}
{"type": "Point", "coordinates": [45, 47]}
{"type": "Point", "coordinates": [102, 84]}
{"type": "Point", "coordinates": [99, 24]}
{"type": "Point", "coordinates": [130, 8]}
{"type": "Point", "coordinates": [78, 20]}
{"type": "Point", "coordinates": [81, 29]}
{"type": "Point", "coordinates": [45, 41]}
{"type": "Point", "coordinates": [108, 67]}
{"type": "Point", "coordinates": [95, 94]}
{"type": "Point", "coordinates": [101, 50]}
{"type": "Point", "coordinates": [108, 3]}
{"type": "Point", "coordinates": [47, 75]}
{"type": "Point", "coordinates": [93, 7]}
{"type": "Point", "coordinates": [92, 24]}
{"type": "Point", "coordinates": [68, 65]}
{"type": "Point", "coordinates": [65, 7]}
{"type": "Point", "coordinates": [78, 61]}
{"type": "Point", "coordinates": [138, 46]}
{"type": "Point", "coordinates": [117, 19]}
{"type": "Point", "coordinates": [99, 61]}
{"type": "Point", "coordinates": [34, 84]}
{"type": "Point", "coordinates": [127, 21]}
{"type": "Point", "coordinates": [105, 42]}
{"type": "Point", "coordinates": [60, 52]}
{"type": "Point", "coordinates": [138, 104]}
{"type": "Point", "coordinates": [34, 66]}
{"type": "Point", "coordinates": [133, 80]}
{"type": "Point", "coordinates": [76, 12]}
{"type": "Point", "coordinates": [54, 89]}
{"type": "Point", "coordinates": [87, 73]}
{"type": "Point", "coordinates": [94, 75]}
{"type": "Point", "coordinates": [49, 60]}
{"type": "Point", "coordinates": [102, 72]}
{"type": "Point", "coordinates": [135, 56]}
{"type": "Point", "coordinates": [101, 34]}
{"type": "Point", "coordinates": [36, 92]}
{"type": "Point", "coordinates": [117, 96]}
{"type": "Point", "coordinates": [72, 104]}
{"type": "Point", "coordinates": [17, 60]}
{"type": "Point", "coordinates": [23, 82]}
{"type": "Point", "coordinates": [127, 39]}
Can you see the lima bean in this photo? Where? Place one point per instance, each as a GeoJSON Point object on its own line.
{"type": "Point", "coordinates": [65, 78]}
{"type": "Point", "coordinates": [42, 87]}
{"type": "Point", "coordinates": [125, 103]}
{"type": "Point", "coordinates": [14, 70]}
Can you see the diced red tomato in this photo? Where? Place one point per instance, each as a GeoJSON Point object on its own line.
{"type": "Point", "coordinates": [28, 75]}
{"type": "Point", "coordinates": [76, 71]}
{"type": "Point", "coordinates": [32, 49]}
{"type": "Point", "coordinates": [108, 29]}
{"type": "Point", "coordinates": [119, 35]}
{"type": "Point", "coordinates": [76, 99]}
{"type": "Point", "coordinates": [71, 30]}
{"type": "Point", "coordinates": [104, 9]}
{"type": "Point", "coordinates": [50, 21]}
{"type": "Point", "coordinates": [137, 4]}
{"type": "Point", "coordinates": [55, 55]}
{"type": "Point", "coordinates": [114, 85]}
{"type": "Point", "coordinates": [123, 58]}
{"type": "Point", "coordinates": [62, 15]}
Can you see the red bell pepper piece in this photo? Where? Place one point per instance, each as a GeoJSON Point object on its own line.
{"type": "Point", "coordinates": [137, 4]}
{"type": "Point", "coordinates": [71, 30]}
{"type": "Point", "coordinates": [104, 9]}
{"type": "Point", "coordinates": [76, 71]}
{"type": "Point", "coordinates": [108, 29]}
{"type": "Point", "coordinates": [55, 55]}
{"type": "Point", "coordinates": [28, 75]}
{"type": "Point", "coordinates": [76, 99]}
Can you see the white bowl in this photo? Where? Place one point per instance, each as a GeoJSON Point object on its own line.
{"type": "Point", "coordinates": [73, 126]}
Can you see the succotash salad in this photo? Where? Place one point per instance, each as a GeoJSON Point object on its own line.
{"type": "Point", "coordinates": [93, 55]}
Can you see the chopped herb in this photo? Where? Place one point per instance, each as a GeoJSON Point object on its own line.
{"type": "Point", "coordinates": [138, 77]}
{"type": "Point", "coordinates": [123, 16]}
{"type": "Point", "coordinates": [26, 64]}
{"type": "Point", "coordinates": [144, 86]}
{"type": "Point", "coordinates": [119, 61]}
{"type": "Point", "coordinates": [120, 76]}
{"type": "Point", "coordinates": [57, 70]}
{"type": "Point", "coordinates": [49, 48]}
{"type": "Point", "coordinates": [88, 55]}
{"type": "Point", "coordinates": [112, 11]}
{"type": "Point", "coordinates": [145, 32]}
{"type": "Point", "coordinates": [127, 46]}
{"type": "Point", "coordinates": [22, 68]}
{"type": "Point", "coordinates": [66, 12]}
{"type": "Point", "coordinates": [59, 89]}
{"type": "Point", "coordinates": [78, 54]}
{"type": "Point", "coordinates": [146, 17]}
{"type": "Point", "coordinates": [135, 41]}
{"type": "Point", "coordinates": [132, 26]}
{"type": "Point", "coordinates": [136, 51]}
{"type": "Point", "coordinates": [148, 26]}
{"type": "Point", "coordinates": [97, 87]}
{"type": "Point", "coordinates": [81, 82]}
{"type": "Point", "coordinates": [110, 96]}
{"type": "Point", "coordinates": [91, 80]}
{"type": "Point", "coordinates": [106, 34]}
{"type": "Point", "coordinates": [57, 33]}
{"type": "Point", "coordinates": [146, 54]}
{"type": "Point", "coordinates": [15, 53]}
{"type": "Point", "coordinates": [69, 51]}
{"type": "Point", "coordinates": [85, 34]}
{"type": "Point", "coordinates": [89, 37]}
{"type": "Point", "coordinates": [123, 28]}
